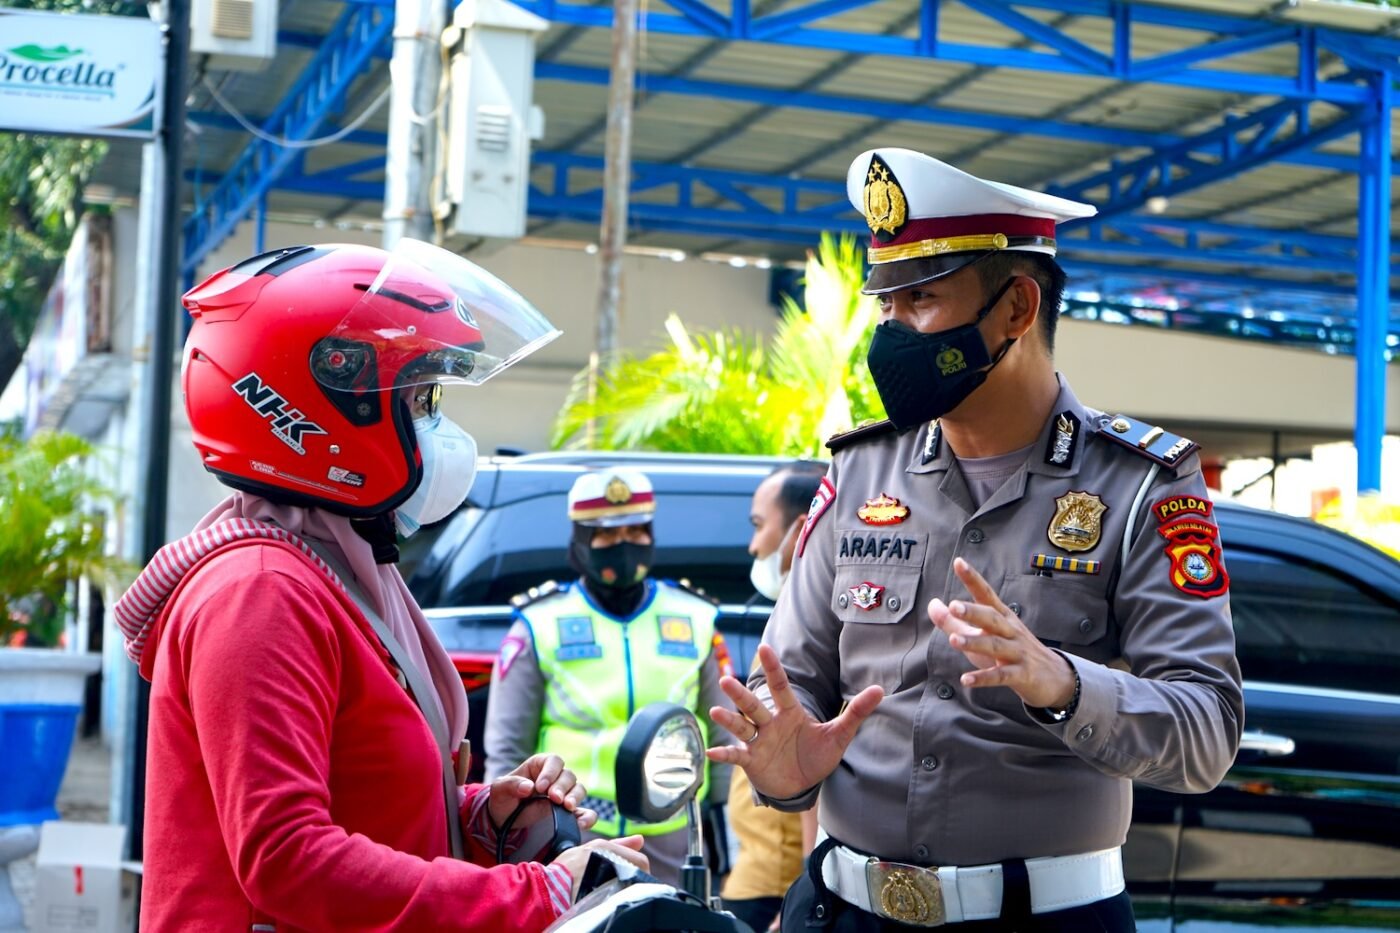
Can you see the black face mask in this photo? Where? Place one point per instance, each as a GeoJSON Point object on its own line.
{"type": "Point", "coordinates": [618, 567]}
{"type": "Point", "coordinates": [921, 377]}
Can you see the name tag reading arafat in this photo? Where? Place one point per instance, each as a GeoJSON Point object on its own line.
{"type": "Point", "coordinates": [859, 545]}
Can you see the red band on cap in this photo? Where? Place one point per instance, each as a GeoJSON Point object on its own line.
{"type": "Point", "coordinates": [938, 228]}
{"type": "Point", "coordinates": [589, 505]}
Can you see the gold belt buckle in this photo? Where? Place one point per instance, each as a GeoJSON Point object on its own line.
{"type": "Point", "coordinates": [905, 893]}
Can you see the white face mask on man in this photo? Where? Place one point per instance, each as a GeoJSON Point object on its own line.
{"type": "Point", "coordinates": [767, 574]}
{"type": "Point", "coordinates": [449, 466]}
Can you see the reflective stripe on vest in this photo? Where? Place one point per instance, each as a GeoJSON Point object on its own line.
{"type": "Point", "coordinates": [598, 671]}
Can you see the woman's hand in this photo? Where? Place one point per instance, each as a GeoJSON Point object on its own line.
{"type": "Point", "coordinates": [624, 848]}
{"type": "Point", "coordinates": [538, 776]}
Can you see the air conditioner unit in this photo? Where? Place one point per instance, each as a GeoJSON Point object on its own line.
{"type": "Point", "coordinates": [491, 118]}
{"type": "Point", "coordinates": [238, 35]}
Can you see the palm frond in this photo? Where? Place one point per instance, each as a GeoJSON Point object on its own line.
{"type": "Point", "coordinates": [725, 391]}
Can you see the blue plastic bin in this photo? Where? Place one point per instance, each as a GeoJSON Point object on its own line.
{"type": "Point", "coordinates": [35, 739]}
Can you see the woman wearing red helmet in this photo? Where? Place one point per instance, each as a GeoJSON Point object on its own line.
{"type": "Point", "coordinates": [303, 715]}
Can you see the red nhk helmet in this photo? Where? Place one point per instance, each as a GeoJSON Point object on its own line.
{"type": "Point", "coordinates": [295, 365]}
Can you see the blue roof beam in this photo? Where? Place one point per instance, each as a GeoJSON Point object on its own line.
{"type": "Point", "coordinates": [1261, 237]}
{"type": "Point", "coordinates": [892, 111]}
{"type": "Point", "coordinates": [343, 56]}
{"type": "Point", "coordinates": [1236, 146]}
{"type": "Point", "coordinates": [1069, 55]}
{"type": "Point", "coordinates": [568, 187]}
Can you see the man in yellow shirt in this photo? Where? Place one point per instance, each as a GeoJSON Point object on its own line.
{"type": "Point", "coordinates": [772, 844]}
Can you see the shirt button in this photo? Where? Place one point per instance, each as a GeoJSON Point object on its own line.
{"type": "Point", "coordinates": [892, 604]}
{"type": "Point", "coordinates": [843, 600]}
{"type": "Point", "coordinates": [975, 536]}
{"type": "Point", "coordinates": [945, 691]}
{"type": "Point", "coordinates": [1085, 625]}
{"type": "Point", "coordinates": [1014, 607]}
{"type": "Point", "coordinates": [929, 762]}
{"type": "Point", "coordinates": [1085, 734]}
{"type": "Point", "coordinates": [921, 853]}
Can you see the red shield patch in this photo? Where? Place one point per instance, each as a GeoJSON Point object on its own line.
{"type": "Point", "coordinates": [1193, 545]}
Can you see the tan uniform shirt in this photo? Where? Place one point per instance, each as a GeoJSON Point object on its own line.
{"type": "Point", "coordinates": [941, 774]}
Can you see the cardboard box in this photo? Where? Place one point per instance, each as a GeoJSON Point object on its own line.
{"type": "Point", "coordinates": [81, 884]}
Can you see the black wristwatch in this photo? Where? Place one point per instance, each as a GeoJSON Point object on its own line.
{"type": "Point", "coordinates": [1064, 715]}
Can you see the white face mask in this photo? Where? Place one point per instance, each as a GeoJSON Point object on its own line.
{"type": "Point", "coordinates": [766, 574]}
{"type": "Point", "coordinates": [449, 466]}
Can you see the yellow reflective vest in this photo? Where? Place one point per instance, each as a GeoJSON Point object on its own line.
{"type": "Point", "coordinates": [599, 670]}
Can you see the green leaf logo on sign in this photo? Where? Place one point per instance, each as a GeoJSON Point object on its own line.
{"type": "Point", "coordinates": [37, 53]}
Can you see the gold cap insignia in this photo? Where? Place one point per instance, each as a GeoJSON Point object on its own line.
{"type": "Point", "coordinates": [882, 510]}
{"type": "Point", "coordinates": [886, 209]}
{"type": "Point", "coordinates": [617, 492]}
{"type": "Point", "coordinates": [1077, 524]}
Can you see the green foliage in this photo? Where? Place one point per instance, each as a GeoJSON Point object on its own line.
{"type": "Point", "coordinates": [53, 532]}
{"type": "Point", "coordinates": [41, 183]}
{"type": "Point", "coordinates": [727, 391]}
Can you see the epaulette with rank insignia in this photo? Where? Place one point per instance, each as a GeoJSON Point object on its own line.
{"type": "Point", "coordinates": [1148, 440]}
{"type": "Point", "coordinates": [693, 590]}
{"type": "Point", "coordinates": [535, 593]}
{"type": "Point", "coordinates": [861, 432]}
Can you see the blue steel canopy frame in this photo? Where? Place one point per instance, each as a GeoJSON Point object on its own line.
{"type": "Point", "coordinates": [1360, 100]}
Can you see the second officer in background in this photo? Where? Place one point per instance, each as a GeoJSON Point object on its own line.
{"type": "Point", "coordinates": [581, 658]}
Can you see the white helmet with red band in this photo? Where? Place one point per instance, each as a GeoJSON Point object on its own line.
{"type": "Point", "coordinates": [610, 498]}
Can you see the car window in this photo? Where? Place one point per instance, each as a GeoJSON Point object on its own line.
{"type": "Point", "coordinates": [1297, 623]}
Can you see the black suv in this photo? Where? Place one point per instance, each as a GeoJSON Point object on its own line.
{"type": "Point", "coordinates": [1303, 831]}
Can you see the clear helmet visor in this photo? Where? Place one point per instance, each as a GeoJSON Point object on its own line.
{"type": "Point", "coordinates": [429, 316]}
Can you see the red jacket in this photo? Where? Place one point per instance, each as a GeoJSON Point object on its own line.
{"type": "Point", "coordinates": [291, 781]}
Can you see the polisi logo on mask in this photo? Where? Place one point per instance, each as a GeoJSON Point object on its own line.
{"type": "Point", "coordinates": [288, 424]}
{"type": "Point", "coordinates": [950, 360]}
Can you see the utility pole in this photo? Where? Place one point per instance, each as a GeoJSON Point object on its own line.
{"type": "Point", "coordinates": [163, 178]}
{"type": "Point", "coordinates": [617, 172]}
{"type": "Point", "coordinates": [415, 75]}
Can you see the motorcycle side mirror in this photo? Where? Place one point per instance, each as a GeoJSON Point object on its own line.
{"type": "Point", "coordinates": [660, 763]}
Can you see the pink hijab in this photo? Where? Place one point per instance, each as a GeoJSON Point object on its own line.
{"type": "Point", "coordinates": [382, 585]}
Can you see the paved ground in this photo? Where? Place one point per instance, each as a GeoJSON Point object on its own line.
{"type": "Point", "coordinates": [84, 797]}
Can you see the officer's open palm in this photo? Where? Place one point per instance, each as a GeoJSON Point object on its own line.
{"type": "Point", "coordinates": [784, 750]}
{"type": "Point", "coordinates": [1004, 652]}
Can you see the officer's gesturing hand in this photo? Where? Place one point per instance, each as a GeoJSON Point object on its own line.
{"type": "Point", "coordinates": [785, 751]}
{"type": "Point", "coordinates": [997, 642]}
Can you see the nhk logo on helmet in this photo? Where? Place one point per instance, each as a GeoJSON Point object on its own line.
{"type": "Point", "coordinates": [288, 424]}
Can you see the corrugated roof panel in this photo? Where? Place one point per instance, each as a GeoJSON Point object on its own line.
{"type": "Point", "coordinates": [729, 134]}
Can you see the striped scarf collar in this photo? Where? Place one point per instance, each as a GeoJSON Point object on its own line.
{"type": "Point", "coordinates": [140, 607]}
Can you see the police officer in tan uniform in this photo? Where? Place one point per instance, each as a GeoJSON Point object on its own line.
{"type": "Point", "coordinates": [1006, 606]}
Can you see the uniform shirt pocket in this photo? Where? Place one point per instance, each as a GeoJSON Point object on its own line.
{"type": "Point", "coordinates": [868, 594]}
{"type": "Point", "coordinates": [1066, 612]}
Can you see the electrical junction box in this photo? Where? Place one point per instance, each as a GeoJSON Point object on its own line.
{"type": "Point", "coordinates": [239, 35]}
{"type": "Point", "coordinates": [491, 118]}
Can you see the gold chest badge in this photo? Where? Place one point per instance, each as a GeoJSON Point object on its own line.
{"type": "Point", "coordinates": [882, 510]}
{"type": "Point", "coordinates": [1078, 521]}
